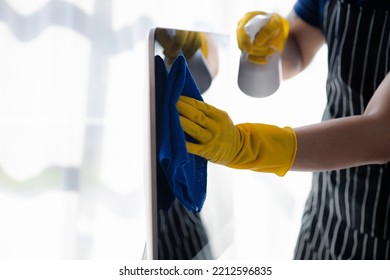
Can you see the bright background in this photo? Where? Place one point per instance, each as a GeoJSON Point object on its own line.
{"type": "Point", "coordinates": [73, 87]}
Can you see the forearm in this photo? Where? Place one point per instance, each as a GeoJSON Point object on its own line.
{"type": "Point", "coordinates": [302, 44]}
{"type": "Point", "coordinates": [342, 143]}
{"type": "Point", "coordinates": [291, 59]}
{"type": "Point", "coordinates": [349, 141]}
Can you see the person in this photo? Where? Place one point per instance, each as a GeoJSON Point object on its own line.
{"type": "Point", "coordinates": [347, 213]}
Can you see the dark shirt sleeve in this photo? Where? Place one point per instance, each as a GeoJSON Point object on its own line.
{"type": "Point", "coordinates": [310, 11]}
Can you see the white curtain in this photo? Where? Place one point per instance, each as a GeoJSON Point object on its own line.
{"type": "Point", "coordinates": [73, 83]}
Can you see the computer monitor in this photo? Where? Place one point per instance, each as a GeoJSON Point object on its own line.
{"type": "Point", "coordinates": [179, 233]}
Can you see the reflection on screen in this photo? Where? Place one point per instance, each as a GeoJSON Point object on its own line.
{"type": "Point", "coordinates": [178, 231]}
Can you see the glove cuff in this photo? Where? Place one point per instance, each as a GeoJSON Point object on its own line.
{"type": "Point", "coordinates": [266, 148]}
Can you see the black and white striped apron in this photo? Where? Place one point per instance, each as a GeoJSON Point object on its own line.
{"type": "Point", "coordinates": [347, 214]}
{"type": "Point", "coordinates": [182, 235]}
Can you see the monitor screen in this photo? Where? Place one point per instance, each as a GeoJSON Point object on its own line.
{"type": "Point", "coordinates": [176, 229]}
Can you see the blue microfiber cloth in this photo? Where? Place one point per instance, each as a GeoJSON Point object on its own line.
{"type": "Point", "coordinates": [180, 175]}
{"type": "Point", "coordinates": [165, 197]}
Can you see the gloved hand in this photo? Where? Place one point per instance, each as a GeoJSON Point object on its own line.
{"type": "Point", "coordinates": [175, 41]}
{"type": "Point", "coordinates": [259, 147]}
{"type": "Point", "coordinates": [272, 37]}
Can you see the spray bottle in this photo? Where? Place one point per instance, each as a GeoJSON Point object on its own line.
{"type": "Point", "coordinates": [259, 80]}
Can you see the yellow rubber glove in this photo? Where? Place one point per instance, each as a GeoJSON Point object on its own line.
{"type": "Point", "coordinates": [176, 41]}
{"type": "Point", "coordinates": [272, 37]}
{"type": "Point", "coordinates": [258, 147]}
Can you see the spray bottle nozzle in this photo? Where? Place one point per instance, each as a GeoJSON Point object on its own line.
{"type": "Point", "coordinates": [255, 24]}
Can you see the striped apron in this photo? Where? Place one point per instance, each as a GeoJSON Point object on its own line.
{"type": "Point", "coordinates": [347, 213]}
{"type": "Point", "coordinates": [182, 235]}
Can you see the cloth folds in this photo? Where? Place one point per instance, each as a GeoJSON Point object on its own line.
{"type": "Point", "coordinates": [179, 174]}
